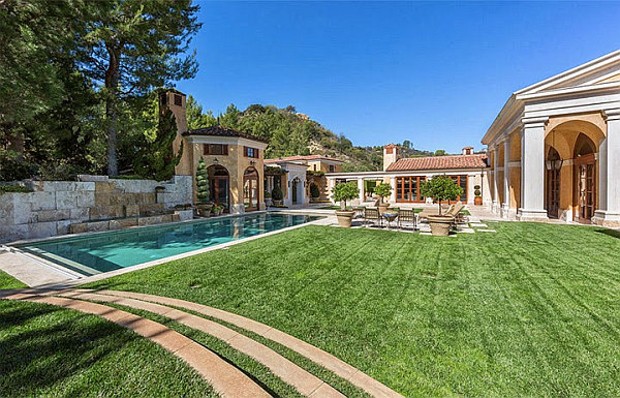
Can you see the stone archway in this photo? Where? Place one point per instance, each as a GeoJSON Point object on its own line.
{"type": "Point", "coordinates": [571, 168]}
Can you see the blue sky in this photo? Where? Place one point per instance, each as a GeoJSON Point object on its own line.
{"type": "Point", "coordinates": [380, 72]}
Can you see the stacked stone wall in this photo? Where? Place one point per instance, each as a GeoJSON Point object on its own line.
{"type": "Point", "coordinates": [54, 206]}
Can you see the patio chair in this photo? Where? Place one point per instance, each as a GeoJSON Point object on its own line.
{"type": "Point", "coordinates": [372, 216]}
{"type": "Point", "coordinates": [406, 216]}
{"type": "Point", "coordinates": [359, 211]}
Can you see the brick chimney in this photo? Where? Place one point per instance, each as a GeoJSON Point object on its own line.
{"type": "Point", "coordinates": [468, 150]}
{"type": "Point", "coordinates": [175, 101]}
{"type": "Point", "coordinates": [390, 155]}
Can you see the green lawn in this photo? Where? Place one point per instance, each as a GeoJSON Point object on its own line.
{"type": "Point", "coordinates": [49, 351]}
{"type": "Point", "coordinates": [533, 310]}
{"type": "Point", "coordinates": [8, 282]}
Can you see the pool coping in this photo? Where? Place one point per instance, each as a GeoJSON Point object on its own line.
{"type": "Point", "coordinates": [78, 280]}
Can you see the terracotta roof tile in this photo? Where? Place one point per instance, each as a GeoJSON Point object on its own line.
{"type": "Point", "coordinates": [476, 161]}
{"type": "Point", "coordinates": [221, 131]}
{"type": "Point", "coordinates": [301, 157]}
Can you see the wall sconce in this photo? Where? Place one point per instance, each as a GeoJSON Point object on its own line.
{"type": "Point", "coordinates": [252, 162]}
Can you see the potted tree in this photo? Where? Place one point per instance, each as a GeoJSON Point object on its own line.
{"type": "Point", "coordinates": [440, 188]}
{"type": "Point", "coordinates": [478, 195]}
{"type": "Point", "coordinates": [383, 190]}
{"type": "Point", "coordinates": [314, 192]}
{"type": "Point", "coordinates": [277, 196]}
{"type": "Point", "coordinates": [341, 193]}
{"type": "Point", "coordinates": [203, 207]}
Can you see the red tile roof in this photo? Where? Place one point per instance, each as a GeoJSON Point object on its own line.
{"type": "Point", "coordinates": [476, 161]}
{"type": "Point", "coordinates": [221, 131]}
{"type": "Point", "coordinates": [302, 157]}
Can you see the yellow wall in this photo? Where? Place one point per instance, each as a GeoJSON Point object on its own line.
{"type": "Point", "coordinates": [323, 166]}
{"type": "Point", "coordinates": [236, 164]}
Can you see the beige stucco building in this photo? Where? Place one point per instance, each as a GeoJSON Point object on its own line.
{"type": "Point", "coordinates": [299, 174]}
{"type": "Point", "coordinates": [405, 175]}
{"type": "Point", "coordinates": [554, 148]}
{"type": "Point", "coordinates": [235, 160]}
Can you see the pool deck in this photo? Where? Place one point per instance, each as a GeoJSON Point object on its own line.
{"type": "Point", "coordinates": [36, 271]}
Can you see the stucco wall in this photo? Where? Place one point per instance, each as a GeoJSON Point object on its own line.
{"type": "Point", "coordinates": [54, 205]}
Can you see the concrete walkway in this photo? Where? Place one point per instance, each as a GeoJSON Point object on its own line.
{"type": "Point", "coordinates": [201, 358]}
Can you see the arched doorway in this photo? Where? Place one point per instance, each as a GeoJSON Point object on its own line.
{"type": "Point", "coordinates": [575, 140]}
{"type": "Point", "coordinates": [553, 165]}
{"type": "Point", "coordinates": [250, 189]}
{"type": "Point", "coordinates": [297, 191]}
{"type": "Point", "coordinates": [219, 182]}
{"type": "Point", "coordinates": [585, 170]}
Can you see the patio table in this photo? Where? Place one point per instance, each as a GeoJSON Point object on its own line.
{"type": "Point", "coordinates": [389, 217]}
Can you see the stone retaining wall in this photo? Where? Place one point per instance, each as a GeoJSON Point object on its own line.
{"type": "Point", "coordinates": [54, 206]}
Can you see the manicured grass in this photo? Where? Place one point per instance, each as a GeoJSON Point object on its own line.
{"type": "Point", "coordinates": [8, 282]}
{"type": "Point", "coordinates": [532, 310]}
{"type": "Point", "coordinates": [48, 351]}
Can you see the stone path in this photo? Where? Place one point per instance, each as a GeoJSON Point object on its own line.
{"type": "Point", "coordinates": [207, 363]}
{"type": "Point", "coordinates": [226, 379]}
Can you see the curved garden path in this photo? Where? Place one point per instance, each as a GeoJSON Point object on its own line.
{"type": "Point", "coordinates": [225, 378]}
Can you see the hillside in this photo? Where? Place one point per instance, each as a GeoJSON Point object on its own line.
{"type": "Point", "coordinates": [292, 133]}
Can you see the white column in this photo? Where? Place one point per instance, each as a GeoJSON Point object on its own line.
{"type": "Point", "coordinates": [393, 193]}
{"type": "Point", "coordinates": [533, 169]}
{"type": "Point", "coordinates": [360, 186]}
{"type": "Point", "coordinates": [608, 212]}
{"type": "Point", "coordinates": [506, 204]}
{"type": "Point", "coordinates": [496, 203]}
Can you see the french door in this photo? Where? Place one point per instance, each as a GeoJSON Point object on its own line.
{"type": "Point", "coordinates": [250, 190]}
{"type": "Point", "coordinates": [553, 193]}
{"type": "Point", "coordinates": [586, 174]}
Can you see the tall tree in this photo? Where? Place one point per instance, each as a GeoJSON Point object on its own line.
{"type": "Point", "coordinates": [134, 46]}
{"type": "Point", "coordinates": [195, 117]}
{"type": "Point", "coordinates": [155, 159]}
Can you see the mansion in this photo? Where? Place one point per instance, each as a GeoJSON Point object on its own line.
{"type": "Point", "coordinates": [553, 151]}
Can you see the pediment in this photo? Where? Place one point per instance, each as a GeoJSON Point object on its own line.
{"type": "Point", "coordinates": [601, 71]}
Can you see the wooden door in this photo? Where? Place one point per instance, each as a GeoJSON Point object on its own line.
{"type": "Point", "coordinates": [586, 194]}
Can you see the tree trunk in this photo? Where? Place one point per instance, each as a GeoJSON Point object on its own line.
{"type": "Point", "coordinates": [111, 85]}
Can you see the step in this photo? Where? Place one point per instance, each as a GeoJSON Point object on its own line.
{"type": "Point", "coordinates": [226, 379]}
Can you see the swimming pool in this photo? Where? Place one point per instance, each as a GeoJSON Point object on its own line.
{"type": "Point", "coordinates": [110, 251]}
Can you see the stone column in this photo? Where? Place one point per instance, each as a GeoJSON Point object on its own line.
{"type": "Point", "coordinates": [360, 186]}
{"type": "Point", "coordinates": [496, 202]}
{"type": "Point", "coordinates": [608, 212]}
{"type": "Point", "coordinates": [533, 169]}
{"type": "Point", "coordinates": [506, 204]}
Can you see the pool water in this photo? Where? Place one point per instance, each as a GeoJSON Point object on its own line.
{"type": "Point", "coordinates": [109, 251]}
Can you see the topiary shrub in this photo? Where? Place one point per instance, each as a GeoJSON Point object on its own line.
{"type": "Point", "coordinates": [202, 182]}
{"type": "Point", "coordinates": [477, 191]}
{"type": "Point", "coordinates": [440, 188]}
{"type": "Point", "coordinates": [383, 190]}
{"type": "Point", "coordinates": [344, 192]}
{"type": "Point", "coordinates": [314, 191]}
{"type": "Point", "coordinates": [276, 193]}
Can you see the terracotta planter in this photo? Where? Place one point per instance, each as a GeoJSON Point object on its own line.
{"type": "Point", "coordinates": [204, 210]}
{"type": "Point", "coordinates": [440, 225]}
{"type": "Point", "coordinates": [345, 217]}
{"type": "Point", "coordinates": [478, 201]}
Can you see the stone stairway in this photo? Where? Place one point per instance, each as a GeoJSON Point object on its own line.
{"type": "Point", "coordinates": [225, 378]}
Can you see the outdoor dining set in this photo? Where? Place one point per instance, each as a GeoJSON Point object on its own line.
{"type": "Point", "coordinates": [405, 218]}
